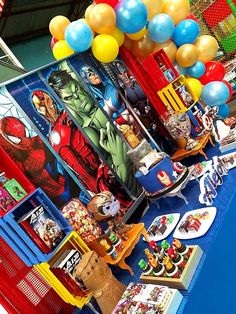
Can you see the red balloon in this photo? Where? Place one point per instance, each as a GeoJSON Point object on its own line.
{"type": "Point", "coordinates": [191, 16]}
{"type": "Point", "coordinates": [112, 3]}
{"type": "Point", "coordinates": [215, 71]}
{"type": "Point", "coordinates": [230, 89]}
{"type": "Point", "coordinates": [53, 41]}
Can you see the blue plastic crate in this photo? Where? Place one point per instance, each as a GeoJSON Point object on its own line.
{"type": "Point", "coordinates": [37, 198]}
{"type": "Point", "coordinates": [18, 247]}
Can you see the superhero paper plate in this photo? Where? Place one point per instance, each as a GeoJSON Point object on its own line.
{"type": "Point", "coordinates": [195, 223]}
{"type": "Point", "coordinates": [162, 226]}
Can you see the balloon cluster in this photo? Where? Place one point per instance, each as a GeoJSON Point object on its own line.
{"type": "Point", "coordinates": [143, 27]}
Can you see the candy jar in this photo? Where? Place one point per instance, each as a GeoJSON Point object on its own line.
{"type": "Point", "coordinates": [158, 250]}
{"type": "Point", "coordinates": [117, 243]}
{"type": "Point", "coordinates": [181, 248]}
{"type": "Point", "coordinates": [165, 245]}
{"type": "Point", "coordinates": [177, 259]}
{"type": "Point", "coordinates": [171, 269]}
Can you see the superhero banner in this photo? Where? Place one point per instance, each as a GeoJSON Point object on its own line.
{"type": "Point", "coordinates": [24, 146]}
{"type": "Point", "coordinates": [65, 83]}
{"type": "Point", "coordinates": [56, 127]}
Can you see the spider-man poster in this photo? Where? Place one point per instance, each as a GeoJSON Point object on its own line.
{"type": "Point", "coordinates": [25, 147]}
{"type": "Point", "coordinates": [57, 128]}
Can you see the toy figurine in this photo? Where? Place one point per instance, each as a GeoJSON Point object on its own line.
{"type": "Point", "coordinates": [165, 245]}
{"type": "Point", "coordinates": [146, 268]}
{"type": "Point", "coordinates": [111, 251]}
{"type": "Point", "coordinates": [117, 243]}
{"type": "Point", "coordinates": [98, 278]}
{"type": "Point", "coordinates": [106, 207]}
{"type": "Point", "coordinates": [158, 250]}
{"type": "Point", "coordinates": [177, 259]}
{"type": "Point", "coordinates": [171, 269]}
{"type": "Point", "coordinates": [152, 260]}
{"type": "Point", "coordinates": [181, 248]}
{"type": "Point", "coordinates": [129, 135]}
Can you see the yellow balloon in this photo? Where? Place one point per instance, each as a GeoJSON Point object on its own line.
{"type": "Point", "coordinates": [118, 35]}
{"type": "Point", "coordinates": [187, 55]}
{"type": "Point", "coordinates": [58, 25]}
{"type": "Point", "coordinates": [153, 7]}
{"type": "Point", "coordinates": [138, 35]}
{"type": "Point", "coordinates": [169, 47]}
{"type": "Point", "coordinates": [195, 86]}
{"type": "Point", "coordinates": [102, 18]}
{"type": "Point", "coordinates": [105, 48]}
{"type": "Point", "coordinates": [207, 46]}
{"type": "Point", "coordinates": [61, 50]}
{"type": "Point", "coordinates": [177, 9]}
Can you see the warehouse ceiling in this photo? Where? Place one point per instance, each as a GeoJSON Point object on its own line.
{"type": "Point", "coordinates": [24, 19]}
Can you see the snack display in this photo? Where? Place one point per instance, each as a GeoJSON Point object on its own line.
{"type": "Point", "coordinates": [146, 298]}
{"type": "Point", "coordinates": [82, 222]}
{"type": "Point", "coordinates": [195, 223]}
{"type": "Point", "coordinates": [162, 226]}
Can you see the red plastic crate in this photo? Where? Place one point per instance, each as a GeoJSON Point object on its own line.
{"type": "Point", "coordinates": [23, 290]}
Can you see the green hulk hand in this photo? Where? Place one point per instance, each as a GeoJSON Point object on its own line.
{"type": "Point", "coordinates": [113, 144]}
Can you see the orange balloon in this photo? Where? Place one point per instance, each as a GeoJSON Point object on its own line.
{"type": "Point", "coordinates": [58, 25]}
{"type": "Point", "coordinates": [127, 43]}
{"type": "Point", "coordinates": [102, 18]}
{"type": "Point", "coordinates": [153, 7]}
{"type": "Point", "coordinates": [177, 9]}
{"type": "Point", "coordinates": [88, 10]}
{"type": "Point", "coordinates": [143, 47]}
{"type": "Point", "coordinates": [207, 46]}
{"type": "Point", "coordinates": [87, 22]}
{"type": "Point", "coordinates": [169, 47]}
{"type": "Point", "coordinates": [187, 55]}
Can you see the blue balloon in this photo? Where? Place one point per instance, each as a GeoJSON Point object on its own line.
{"type": "Point", "coordinates": [181, 70]}
{"type": "Point", "coordinates": [161, 28]}
{"type": "Point", "coordinates": [186, 32]}
{"type": "Point", "coordinates": [197, 70]}
{"type": "Point", "coordinates": [224, 111]}
{"type": "Point", "coordinates": [79, 36]}
{"type": "Point", "coordinates": [215, 93]}
{"type": "Point", "coordinates": [131, 16]}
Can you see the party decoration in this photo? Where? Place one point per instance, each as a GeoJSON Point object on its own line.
{"type": "Point", "coordinates": [153, 7]}
{"type": "Point", "coordinates": [58, 25]}
{"type": "Point", "coordinates": [177, 9]}
{"type": "Point", "coordinates": [112, 3]}
{"type": "Point", "coordinates": [138, 35]}
{"type": "Point", "coordinates": [143, 47]}
{"type": "Point", "coordinates": [131, 15]}
{"type": "Point", "coordinates": [224, 111]}
{"type": "Point", "coordinates": [181, 70]}
{"type": "Point", "coordinates": [118, 35]}
{"type": "Point", "coordinates": [53, 41]}
{"type": "Point", "coordinates": [161, 28]}
{"type": "Point", "coordinates": [169, 47]}
{"type": "Point", "coordinates": [207, 46]}
{"type": "Point", "coordinates": [88, 10]}
{"type": "Point", "coordinates": [87, 22]}
{"type": "Point", "coordinates": [197, 70]}
{"type": "Point", "coordinates": [230, 89]}
{"type": "Point", "coordinates": [102, 18]}
{"type": "Point", "coordinates": [215, 71]}
{"type": "Point", "coordinates": [127, 43]}
{"type": "Point", "coordinates": [79, 36]}
{"type": "Point", "coordinates": [186, 32]}
{"type": "Point", "coordinates": [62, 50]}
{"type": "Point", "coordinates": [105, 48]}
{"type": "Point", "coordinates": [187, 55]}
{"type": "Point", "coordinates": [195, 86]}
{"type": "Point", "coordinates": [215, 93]}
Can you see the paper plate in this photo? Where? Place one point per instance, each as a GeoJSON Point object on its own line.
{"type": "Point", "coordinates": [204, 227]}
{"type": "Point", "coordinates": [170, 227]}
